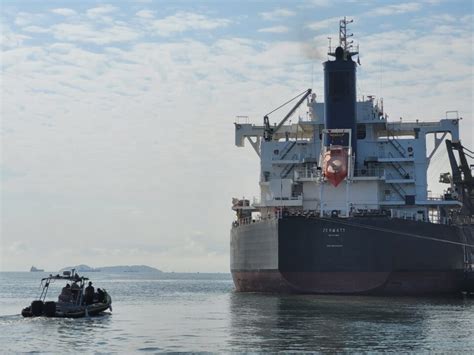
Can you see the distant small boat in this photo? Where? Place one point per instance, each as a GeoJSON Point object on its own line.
{"type": "Point", "coordinates": [70, 304]}
{"type": "Point", "coordinates": [34, 269]}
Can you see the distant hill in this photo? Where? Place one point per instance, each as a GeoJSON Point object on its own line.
{"type": "Point", "coordinates": [79, 268]}
{"type": "Point", "coordinates": [131, 268]}
{"type": "Point", "coordinates": [119, 268]}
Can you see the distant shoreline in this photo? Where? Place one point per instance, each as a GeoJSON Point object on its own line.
{"type": "Point", "coordinates": [116, 268]}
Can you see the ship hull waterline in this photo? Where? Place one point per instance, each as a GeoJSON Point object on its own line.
{"type": "Point", "coordinates": [371, 255]}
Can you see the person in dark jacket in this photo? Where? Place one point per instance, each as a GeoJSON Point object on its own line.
{"type": "Point", "coordinates": [100, 295]}
{"type": "Point", "coordinates": [89, 294]}
{"type": "Point", "coordinates": [66, 294]}
{"type": "Point", "coordinates": [75, 291]}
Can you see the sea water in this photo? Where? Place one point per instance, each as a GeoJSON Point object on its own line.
{"type": "Point", "coordinates": [173, 312]}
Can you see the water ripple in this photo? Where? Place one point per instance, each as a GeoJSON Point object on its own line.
{"type": "Point", "coordinates": [202, 314]}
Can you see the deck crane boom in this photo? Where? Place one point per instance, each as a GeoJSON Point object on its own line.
{"type": "Point", "coordinates": [268, 130]}
{"type": "Point", "coordinates": [464, 182]}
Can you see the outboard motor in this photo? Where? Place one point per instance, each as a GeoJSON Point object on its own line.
{"type": "Point", "coordinates": [37, 308]}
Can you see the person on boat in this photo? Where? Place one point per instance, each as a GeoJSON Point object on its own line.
{"type": "Point", "coordinates": [89, 294]}
{"type": "Point", "coordinates": [75, 290]}
{"type": "Point", "coordinates": [100, 295]}
{"type": "Point", "coordinates": [66, 294]}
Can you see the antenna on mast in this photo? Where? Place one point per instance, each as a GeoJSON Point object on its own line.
{"type": "Point", "coordinates": [344, 40]}
{"type": "Point", "coordinates": [343, 36]}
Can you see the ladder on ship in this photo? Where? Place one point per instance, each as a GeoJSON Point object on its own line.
{"type": "Point", "coordinates": [287, 170]}
{"type": "Point", "coordinates": [396, 165]}
{"type": "Point", "coordinates": [287, 149]}
{"type": "Point", "coordinates": [396, 144]}
{"type": "Point", "coordinates": [399, 168]}
{"type": "Point", "coordinates": [399, 190]}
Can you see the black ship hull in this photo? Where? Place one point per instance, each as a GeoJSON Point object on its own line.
{"type": "Point", "coordinates": [360, 255]}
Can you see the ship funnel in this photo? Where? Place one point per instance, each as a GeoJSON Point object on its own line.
{"type": "Point", "coordinates": [340, 87]}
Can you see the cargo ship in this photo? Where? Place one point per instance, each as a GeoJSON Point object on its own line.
{"type": "Point", "coordinates": [344, 205]}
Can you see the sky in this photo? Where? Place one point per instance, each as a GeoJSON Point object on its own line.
{"type": "Point", "coordinates": [117, 135]}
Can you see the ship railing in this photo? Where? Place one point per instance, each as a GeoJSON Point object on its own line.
{"type": "Point", "coordinates": [434, 217]}
{"type": "Point", "coordinates": [277, 214]}
{"type": "Point", "coordinates": [257, 203]}
{"type": "Point", "coordinates": [241, 119]}
{"type": "Point", "coordinates": [437, 219]}
{"type": "Point", "coordinates": [243, 221]}
{"type": "Point", "coordinates": [308, 173]}
{"type": "Point", "coordinates": [370, 172]}
{"type": "Point", "coordinates": [291, 198]}
{"type": "Point", "coordinates": [313, 173]}
{"type": "Point", "coordinates": [442, 197]}
{"type": "Point", "coordinates": [400, 214]}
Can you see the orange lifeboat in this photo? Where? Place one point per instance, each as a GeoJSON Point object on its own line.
{"type": "Point", "coordinates": [335, 164]}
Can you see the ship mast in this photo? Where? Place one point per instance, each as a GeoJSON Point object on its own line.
{"type": "Point", "coordinates": [344, 40]}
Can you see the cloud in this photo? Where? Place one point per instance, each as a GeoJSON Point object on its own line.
{"type": "Point", "coordinates": [275, 29]}
{"type": "Point", "coordinates": [101, 10]}
{"type": "Point", "coordinates": [332, 23]}
{"type": "Point", "coordinates": [436, 19]}
{"type": "Point", "coordinates": [147, 14]}
{"type": "Point", "coordinates": [10, 39]}
{"type": "Point", "coordinates": [64, 12]}
{"type": "Point", "coordinates": [318, 3]}
{"type": "Point", "coordinates": [36, 29]}
{"type": "Point", "coordinates": [277, 14]}
{"type": "Point", "coordinates": [26, 18]}
{"type": "Point", "coordinates": [186, 21]}
{"type": "Point", "coordinates": [87, 33]}
{"type": "Point", "coordinates": [433, 2]}
{"type": "Point", "coordinates": [396, 9]}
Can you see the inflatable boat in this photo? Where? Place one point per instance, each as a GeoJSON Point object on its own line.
{"type": "Point", "coordinates": [75, 301]}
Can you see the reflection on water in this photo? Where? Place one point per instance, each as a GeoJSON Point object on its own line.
{"type": "Point", "coordinates": [39, 334]}
{"type": "Point", "coordinates": [341, 323]}
{"type": "Point", "coordinates": [195, 312]}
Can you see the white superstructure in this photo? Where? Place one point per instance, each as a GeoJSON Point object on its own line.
{"type": "Point", "coordinates": [390, 172]}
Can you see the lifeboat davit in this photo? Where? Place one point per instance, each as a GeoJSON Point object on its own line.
{"type": "Point", "coordinates": [335, 165]}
